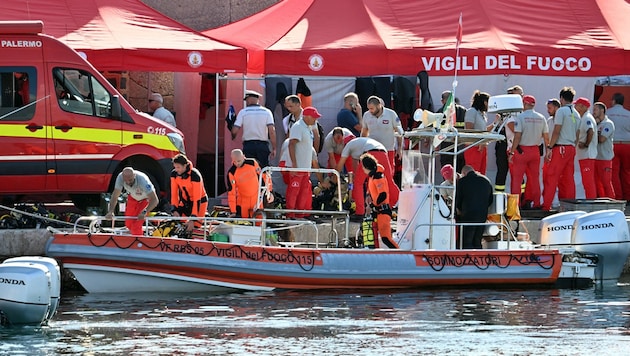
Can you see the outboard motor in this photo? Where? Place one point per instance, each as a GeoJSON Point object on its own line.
{"type": "Point", "coordinates": [556, 230]}
{"type": "Point", "coordinates": [25, 293]}
{"type": "Point", "coordinates": [604, 233]}
{"type": "Point", "coordinates": [55, 278]}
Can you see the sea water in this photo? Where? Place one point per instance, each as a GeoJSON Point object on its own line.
{"type": "Point", "coordinates": [379, 322]}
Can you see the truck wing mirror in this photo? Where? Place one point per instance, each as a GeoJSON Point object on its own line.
{"type": "Point", "coordinates": [116, 110]}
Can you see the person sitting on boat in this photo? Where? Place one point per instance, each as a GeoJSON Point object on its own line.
{"type": "Point", "coordinates": [243, 185]}
{"type": "Point", "coordinates": [446, 188]}
{"type": "Point", "coordinates": [378, 194]}
{"type": "Point", "coordinates": [473, 197]}
{"type": "Point", "coordinates": [141, 199]}
{"type": "Point", "coordinates": [188, 194]}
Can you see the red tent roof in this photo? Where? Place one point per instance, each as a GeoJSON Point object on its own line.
{"type": "Point", "coordinates": [371, 37]}
{"type": "Point", "coordinates": [127, 35]}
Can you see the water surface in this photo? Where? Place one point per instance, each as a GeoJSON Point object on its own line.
{"type": "Point", "coordinates": [392, 322]}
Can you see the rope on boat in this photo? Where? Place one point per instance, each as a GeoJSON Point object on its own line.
{"type": "Point", "coordinates": [38, 216]}
{"type": "Point", "coordinates": [266, 254]}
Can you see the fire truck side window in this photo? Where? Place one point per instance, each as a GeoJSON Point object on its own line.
{"type": "Point", "coordinates": [18, 87]}
{"type": "Point", "coordinates": [79, 92]}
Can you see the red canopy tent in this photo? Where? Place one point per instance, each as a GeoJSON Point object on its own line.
{"type": "Point", "coordinates": [374, 37]}
{"type": "Point", "coordinates": [127, 35]}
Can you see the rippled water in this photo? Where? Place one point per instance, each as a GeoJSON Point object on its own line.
{"type": "Point", "coordinates": [409, 322]}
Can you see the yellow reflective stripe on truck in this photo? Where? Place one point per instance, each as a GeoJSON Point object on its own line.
{"type": "Point", "coordinates": [95, 135]}
{"type": "Point", "coordinates": [161, 142]}
{"type": "Point", "coordinates": [21, 130]}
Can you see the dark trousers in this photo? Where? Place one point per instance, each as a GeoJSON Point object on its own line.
{"type": "Point", "coordinates": [472, 236]}
{"type": "Point", "coordinates": [500, 150]}
{"type": "Point", "coordinates": [257, 149]}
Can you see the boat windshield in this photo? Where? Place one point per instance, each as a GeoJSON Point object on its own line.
{"type": "Point", "coordinates": [413, 169]}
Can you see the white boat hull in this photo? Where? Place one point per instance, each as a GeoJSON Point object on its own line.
{"type": "Point", "coordinates": [121, 280]}
{"type": "Point", "coordinates": [106, 263]}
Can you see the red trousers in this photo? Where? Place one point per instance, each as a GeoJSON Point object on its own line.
{"type": "Point", "coordinates": [299, 193]}
{"type": "Point", "coordinates": [348, 163]}
{"type": "Point", "coordinates": [358, 194]}
{"type": "Point", "coordinates": [391, 155]}
{"type": "Point", "coordinates": [621, 171]}
{"type": "Point", "coordinates": [587, 169]}
{"type": "Point", "coordinates": [477, 157]}
{"type": "Point", "coordinates": [603, 179]}
{"type": "Point", "coordinates": [559, 175]}
{"type": "Point", "coordinates": [132, 210]}
{"type": "Point", "coordinates": [526, 163]}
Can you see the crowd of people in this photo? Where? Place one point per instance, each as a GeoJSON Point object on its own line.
{"type": "Point", "coordinates": [596, 140]}
{"type": "Point", "coordinates": [366, 145]}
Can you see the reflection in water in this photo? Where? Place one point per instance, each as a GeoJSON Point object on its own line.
{"type": "Point", "coordinates": [562, 322]}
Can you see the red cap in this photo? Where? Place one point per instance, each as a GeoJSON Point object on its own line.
{"type": "Point", "coordinates": [583, 101]}
{"type": "Point", "coordinates": [529, 99]}
{"type": "Point", "coordinates": [447, 172]}
{"type": "Point", "coordinates": [311, 111]}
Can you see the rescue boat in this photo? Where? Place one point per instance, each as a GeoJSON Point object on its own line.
{"type": "Point", "coordinates": [250, 258]}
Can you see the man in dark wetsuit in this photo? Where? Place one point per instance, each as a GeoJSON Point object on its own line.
{"type": "Point", "coordinates": [473, 196]}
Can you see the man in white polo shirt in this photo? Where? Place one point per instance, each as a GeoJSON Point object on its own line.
{"type": "Point", "coordinates": [621, 145]}
{"type": "Point", "coordinates": [605, 153]}
{"type": "Point", "coordinates": [383, 125]}
{"type": "Point", "coordinates": [586, 151]}
{"type": "Point", "coordinates": [299, 195]}
{"type": "Point", "coordinates": [524, 154]}
{"type": "Point", "coordinates": [334, 143]}
{"type": "Point", "coordinates": [258, 129]}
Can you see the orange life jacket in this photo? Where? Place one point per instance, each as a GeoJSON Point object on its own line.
{"type": "Point", "coordinates": [188, 191]}
{"type": "Point", "coordinates": [243, 181]}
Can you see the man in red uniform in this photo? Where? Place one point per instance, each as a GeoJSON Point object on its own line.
{"type": "Point", "coordinates": [561, 151]}
{"type": "Point", "coordinates": [621, 145]}
{"type": "Point", "coordinates": [299, 195]}
{"type": "Point", "coordinates": [605, 153]}
{"type": "Point", "coordinates": [378, 193]}
{"type": "Point", "coordinates": [586, 150]}
{"type": "Point", "coordinates": [243, 185]}
{"type": "Point", "coordinates": [141, 198]}
{"type": "Point", "coordinates": [524, 155]}
{"type": "Point", "coordinates": [353, 150]}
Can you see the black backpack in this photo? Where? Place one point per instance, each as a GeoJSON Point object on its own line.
{"type": "Point", "coordinates": [320, 129]}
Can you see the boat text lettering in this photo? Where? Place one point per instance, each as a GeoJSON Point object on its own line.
{"type": "Point", "coordinates": [12, 281]}
{"type": "Point", "coordinates": [559, 228]}
{"type": "Point", "coordinates": [597, 226]}
{"type": "Point", "coordinates": [462, 260]}
{"type": "Point", "coordinates": [182, 248]}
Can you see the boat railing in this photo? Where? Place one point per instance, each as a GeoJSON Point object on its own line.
{"type": "Point", "coordinates": [100, 224]}
{"type": "Point", "coordinates": [505, 233]}
{"type": "Point", "coordinates": [334, 215]}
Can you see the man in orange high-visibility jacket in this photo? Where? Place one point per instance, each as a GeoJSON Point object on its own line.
{"type": "Point", "coordinates": [243, 185]}
{"type": "Point", "coordinates": [378, 189]}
